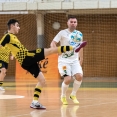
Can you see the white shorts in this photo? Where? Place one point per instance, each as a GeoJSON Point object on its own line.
{"type": "Point", "coordinates": [69, 69]}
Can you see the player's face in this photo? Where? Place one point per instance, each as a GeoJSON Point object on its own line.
{"type": "Point", "coordinates": [16, 28]}
{"type": "Point", "coordinates": [72, 23]}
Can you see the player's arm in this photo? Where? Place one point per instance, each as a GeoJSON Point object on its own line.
{"type": "Point", "coordinates": [5, 40]}
{"type": "Point", "coordinates": [56, 39]}
{"type": "Point", "coordinates": [53, 44]}
{"type": "Point", "coordinates": [11, 57]}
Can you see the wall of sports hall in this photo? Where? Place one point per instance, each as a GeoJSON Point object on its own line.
{"type": "Point", "coordinates": [41, 20]}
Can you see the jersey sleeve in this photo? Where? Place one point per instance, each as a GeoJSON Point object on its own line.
{"type": "Point", "coordinates": [5, 40]}
{"type": "Point", "coordinates": [57, 38]}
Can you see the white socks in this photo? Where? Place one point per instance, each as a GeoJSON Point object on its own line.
{"type": "Point", "coordinates": [76, 86]}
{"type": "Point", "coordinates": [64, 88]}
{"type": "Point", "coordinates": [35, 101]}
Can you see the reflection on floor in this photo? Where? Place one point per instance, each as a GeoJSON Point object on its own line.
{"type": "Point", "coordinates": [96, 100]}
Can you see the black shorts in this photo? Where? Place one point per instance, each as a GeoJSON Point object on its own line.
{"type": "Point", "coordinates": [30, 63]}
{"type": "Point", "coordinates": [3, 64]}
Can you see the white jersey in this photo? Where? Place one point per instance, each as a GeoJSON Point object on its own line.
{"type": "Point", "coordinates": [67, 38]}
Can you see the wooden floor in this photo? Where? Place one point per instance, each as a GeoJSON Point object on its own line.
{"type": "Point", "coordinates": [94, 101]}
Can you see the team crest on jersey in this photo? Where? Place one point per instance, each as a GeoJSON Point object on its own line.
{"type": "Point", "coordinates": [68, 54]}
{"type": "Point", "coordinates": [38, 50]}
{"type": "Point", "coordinates": [65, 69]}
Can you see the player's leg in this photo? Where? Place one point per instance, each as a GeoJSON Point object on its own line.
{"type": "Point", "coordinates": [2, 74]}
{"type": "Point", "coordinates": [35, 71]}
{"type": "Point", "coordinates": [37, 91]}
{"type": "Point", "coordinates": [62, 49]}
{"type": "Point", "coordinates": [64, 88]}
{"type": "Point", "coordinates": [64, 70]}
{"type": "Point", "coordinates": [78, 75]}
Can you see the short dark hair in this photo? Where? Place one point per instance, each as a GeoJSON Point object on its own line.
{"type": "Point", "coordinates": [71, 16]}
{"type": "Point", "coordinates": [11, 21]}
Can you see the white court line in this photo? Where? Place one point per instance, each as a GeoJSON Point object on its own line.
{"type": "Point", "coordinates": [10, 96]}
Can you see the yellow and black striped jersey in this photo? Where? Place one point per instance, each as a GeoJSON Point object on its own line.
{"type": "Point", "coordinates": [17, 49]}
{"type": "Point", "coordinates": [4, 54]}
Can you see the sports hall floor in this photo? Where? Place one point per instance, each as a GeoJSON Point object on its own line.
{"type": "Point", "coordinates": [98, 98]}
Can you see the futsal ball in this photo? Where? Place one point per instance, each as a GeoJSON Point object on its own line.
{"type": "Point", "coordinates": [75, 37]}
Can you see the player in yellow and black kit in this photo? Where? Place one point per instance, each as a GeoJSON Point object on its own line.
{"type": "Point", "coordinates": [28, 59]}
{"type": "Point", "coordinates": [4, 60]}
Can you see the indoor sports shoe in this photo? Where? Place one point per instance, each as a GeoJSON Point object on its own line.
{"type": "Point", "coordinates": [64, 101]}
{"type": "Point", "coordinates": [80, 45]}
{"type": "Point", "coordinates": [37, 105]}
{"type": "Point", "coordinates": [2, 89]}
{"type": "Point", "coordinates": [74, 99]}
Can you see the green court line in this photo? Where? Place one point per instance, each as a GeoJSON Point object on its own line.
{"type": "Point", "coordinates": [99, 84]}
{"type": "Point", "coordinates": [96, 85]}
{"type": "Point", "coordinates": [83, 85]}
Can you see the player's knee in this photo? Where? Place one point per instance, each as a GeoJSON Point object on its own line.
{"type": "Point", "coordinates": [67, 79]}
{"type": "Point", "coordinates": [3, 71]}
{"type": "Point", "coordinates": [79, 77]}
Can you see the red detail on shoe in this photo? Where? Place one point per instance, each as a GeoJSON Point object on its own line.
{"type": "Point", "coordinates": [83, 44]}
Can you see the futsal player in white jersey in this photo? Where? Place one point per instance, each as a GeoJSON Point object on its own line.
{"type": "Point", "coordinates": [70, 63]}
